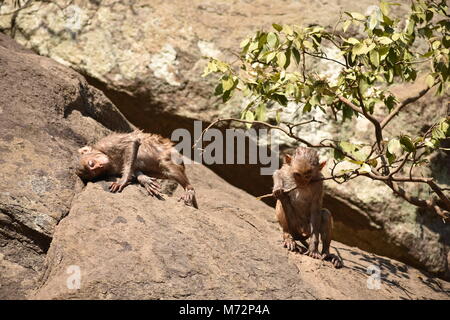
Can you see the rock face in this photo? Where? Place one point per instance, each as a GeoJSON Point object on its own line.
{"type": "Point", "coordinates": [147, 58]}
{"type": "Point", "coordinates": [153, 51]}
{"type": "Point", "coordinates": [45, 112]}
{"type": "Point", "coordinates": [132, 246]}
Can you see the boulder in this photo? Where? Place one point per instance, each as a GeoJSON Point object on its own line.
{"type": "Point", "coordinates": [132, 246]}
{"type": "Point", "coordinates": [47, 111]}
{"type": "Point", "coordinates": [153, 51]}
{"type": "Point", "coordinates": [129, 245]}
{"type": "Point", "coordinates": [147, 57]}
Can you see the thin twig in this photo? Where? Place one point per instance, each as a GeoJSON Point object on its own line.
{"type": "Point", "coordinates": [325, 58]}
{"type": "Point", "coordinates": [399, 107]}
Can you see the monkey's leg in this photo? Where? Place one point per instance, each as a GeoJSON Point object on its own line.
{"type": "Point", "coordinates": [149, 183]}
{"type": "Point", "coordinates": [288, 239]}
{"type": "Point", "coordinates": [128, 166]}
{"type": "Point", "coordinates": [325, 235]}
{"type": "Point", "coordinates": [177, 173]}
{"type": "Point", "coordinates": [316, 221]}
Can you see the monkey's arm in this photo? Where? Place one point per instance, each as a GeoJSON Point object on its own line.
{"type": "Point", "coordinates": [129, 160]}
{"type": "Point", "coordinates": [277, 184]}
{"type": "Point", "coordinates": [278, 193]}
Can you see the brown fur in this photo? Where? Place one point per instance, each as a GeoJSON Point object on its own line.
{"type": "Point", "coordinates": [300, 212]}
{"type": "Point", "coordinates": [136, 154]}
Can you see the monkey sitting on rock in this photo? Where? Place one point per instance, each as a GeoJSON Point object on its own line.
{"type": "Point", "coordinates": [300, 211]}
{"type": "Point", "coordinates": [141, 155]}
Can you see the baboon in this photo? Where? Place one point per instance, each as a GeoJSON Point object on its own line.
{"type": "Point", "coordinates": [139, 155]}
{"type": "Point", "coordinates": [300, 211]}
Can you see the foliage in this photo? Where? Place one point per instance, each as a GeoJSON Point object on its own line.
{"type": "Point", "coordinates": [273, 68]}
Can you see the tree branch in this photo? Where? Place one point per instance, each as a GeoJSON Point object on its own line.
{"type": "Point", "coordinates": [325, 58]}
{"type": "Point", "coordinates": [399, 107]}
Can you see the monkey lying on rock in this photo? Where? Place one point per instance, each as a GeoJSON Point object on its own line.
{"type": "Point", "coordinates": [300, 212]}
{"type": "Point", "coordinates": [139, 155]}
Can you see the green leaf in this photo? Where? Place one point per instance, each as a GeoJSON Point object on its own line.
{"type": "Point", "coordinates": [347, 147]}
{"type": "Point", "coordinates": [281, 99]}
{"type": "Point", "coordinates": [409, 29]}
{"type": "Point", "coordinates": [429, 80]}
{"type": "Point", "coordinates": [384, 51]}
{"type": "Point", "coordinates": [395, 36]}
{"type": "Point", "coordinates": [346, 24]}
{"type": "Point", "coordinates": [218, 90]}
{"type": "Point", "coordinates": [390, 75]}
{"type": "Point", "coordinates": [359, 49]}
{"type": "Point", "coordinates": [308, 44]}
{"type": "Point", "coordinates": [288, 30]}
{"type": "Point", "coordinates": [407, 144]}
{"type": "Point", "coordinates": [272, 39]}
{"type": "Point", "coordinates": [307, 107]}
{"type": "Point", "coordinates": [384, 6]}
{"type": "Point", "coordinates": [260, 112]}
{"type": "Point", "coordinates": [244, 43]}
{"type": "Point", "coordinates": [253, 46]}
{"type": "Point", "coordinates": [315, 100]}
{"type": "Point", "coordinates": [391, 157]}
{"type": "Point", "coordinates": [277, 27]}
{"type": "Point", "coordinates": [365, 168]}
{"type": "Point", "coordinates": [385, 40]}
{"type": "Point", "coordinates": [270, 56]}
{"type": "Point", "coordinates": [373, 162]}
{"type": "Point", "coordinates": [394, 147]}
{"type": "Point", "coordinates": [360, 155]}
{"type": "Point", "coordinates": [444, 125]}
{"type": "Point", "coordinates": [363, 85]}
{"type": "Point", "coordinates": [227, 83]}
{"type": "Point", "coordinates": [352, 40]}
{"type": "Point", "coordinates": [290, 89]}
{"type": "Point", "coordinates": [338, 155]}
{"type": "Point", "coordinates": [249, 116]}
{"type": "Point", "coordinates": [226, 96]}
{"type": "Point", "coordinates": [436, 44]}
{"type": "Point", "coordinates": [358, 16]}
{"type": "Point", "coordinates": [281, 59]}
{"type": "Point", "coordinates": [390, 102]}
{"type": "Point", "coordinates": [296, 54]}
{"type": "Point", "coordinates": [374, 58]}
{"type": "Point", "coordinates": [373, 22]}
{"type": "Point", "coordinates": [278, 116]}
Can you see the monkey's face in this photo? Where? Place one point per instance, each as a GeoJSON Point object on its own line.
{"type": "Point", "coordinates": [92, 165]}
{"type": "Point", "coordinates": [303, 172]}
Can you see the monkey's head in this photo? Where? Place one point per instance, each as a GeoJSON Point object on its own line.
{"type": "Point", "coordinates": [92, 164]}
{"type": "Point", "coordinates": [304, 165]}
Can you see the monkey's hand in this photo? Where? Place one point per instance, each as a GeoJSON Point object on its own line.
{"type": "Point", "coordinates": [118, 186]}
{"type": "Point", "coordinates": [278, 193]}
{"type": "Point", "coordinates": [289, 243]}
{"type": "Point", "coordinates": [335, 260]}
{"type": "Point", "coordinates": [313, 253]}
{"type": "Point", "coordinates": [189, 198]}
{"type": "Point", "coordinates": [151, 185]}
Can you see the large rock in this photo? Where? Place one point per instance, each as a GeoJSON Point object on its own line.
{"type": "Point", "coordinates": [147, 57]}
{"type": "Point", "coordinates": [152, 51]}
{"type": "Point", "coordinates": [132, 246]}
{"type": "Point", "coordinates": [46, 112]}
